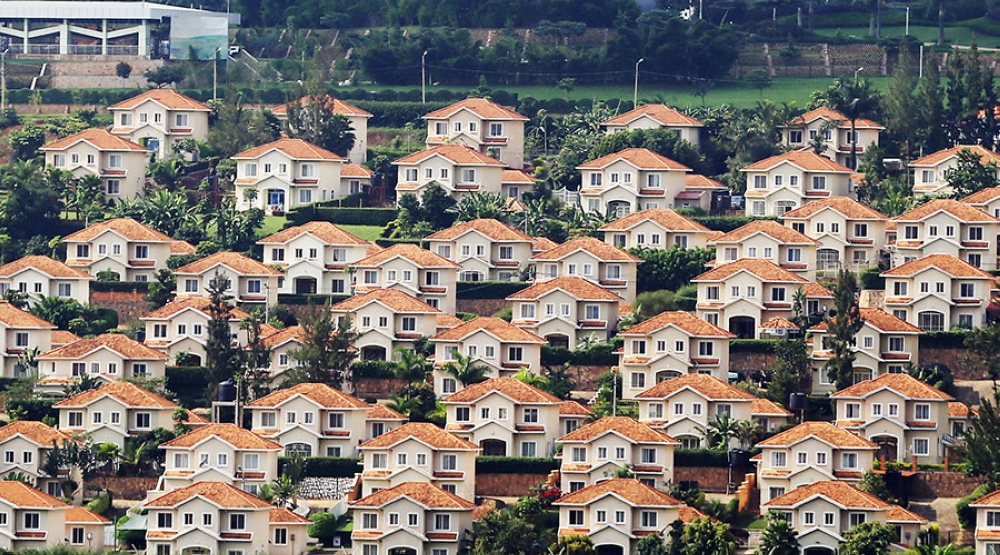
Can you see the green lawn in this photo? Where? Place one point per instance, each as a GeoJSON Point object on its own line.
{"type": "Point", "coordinates": [272, 225]}
{"type": "Point", "coordinates": [366, 232]}
{"type": "Point", "coordinates": [954, 35]}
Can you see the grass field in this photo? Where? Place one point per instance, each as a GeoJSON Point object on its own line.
{"type": "Point", "coordinates": [954, 35]}
{"type": "Point", "coordinates": [272, 225]}
{"type": "Point", "coordinates": [366, 232]}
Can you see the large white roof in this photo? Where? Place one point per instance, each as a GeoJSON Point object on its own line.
{"type": "Point", "coordinates": [60, 9]}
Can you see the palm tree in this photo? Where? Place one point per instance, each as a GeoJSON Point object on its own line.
{"type": "Point", "coordinates": [534, 380]}
{"type": "Point", "coordinates": [411, 366]}
{"type": "Point", "coordinates": [167, 212]}
{"type": "Point", "coordinates": [466, 371]}
{"type": "Point", "coordinates": [720, 431]}
{"type": "Point", "coordinates": [284, 492]}
{"type": "Point", "coordinates": [479, 206]}
{"type": "Point", "coordinates": [855, 98]}
{"type": "Point", "coordinates": [166, 172]}
{"type": "Point", "coordinates": [745, 431]}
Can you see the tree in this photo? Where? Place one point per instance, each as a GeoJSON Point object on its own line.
{"type": "Point", "coordinates": [970, 174]}
{"type": "Point", "coordinates": [518, 530]}
{"type": "Point", "coordinates": [235, 230]}
{"type": "Point", "coordinates": [869, 538]}
{"type": "Point", "coordinates": [57, 311]}
{"type": "Point", "coordinates": [479, 205]}
{"type": "Point", "coordinates": [901, 120]}
{"type": "Point", "coordinates": [704, 536]}
{"type": "Point", "coordinates": [979, 445]}
{"type": "Point", "coordinates": [778, 538]}
{"type": "Point", "coordinates": [466, 370]}
{"type": "Point", "coordinates": [559, 382]}
{"type": "Point", "coordinates": [123, 70]}
{"type": "Point", "coordinates": [669, 269]}
{"type": "Point", "coordinates": [314, 119]}
{"type": "Point", "coordinates": [576, 544]}
{"type": "Point", "coordinates": [257, 374]}
{"type": "Point", "coordinates": [651, 544]}
{"type": "Point", "coordinates": [162, 289]}
{"type": "Point", "coordinates": [237, 127]}
{"type": "Point", "coordinates": [792, 369]}
{"type": "Point", "coordinates": [873, 483]}
{"type": "Point", "coordinates": [164, 75]}
{"type": "Point", "coordinates": [35, 198]}
{"type": "Point", "coordinates": [327, 351]}
{"type": "Point", "coordinates": [843, 329]}
{"type": "Point", "coordinates": [26, 141]}
{"type": "Point", "coordinates": [983, 351]}
{"type": "Point", "coordinates": [855, 98]}
{"type": "Point", "coordinates": [566, 84]}
{"type": "Point", "coordinates": [411, 366]}
{"type": "Point", "coordinates": [324, 526]}
{"type": "Point", "coordinates": [223, 357]}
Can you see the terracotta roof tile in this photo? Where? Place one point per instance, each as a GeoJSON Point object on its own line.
{"type": "Point", "coordinates": [421, 431]}
{"type": "Point", "coordinates": [542, 244]}
{"type": "Point", "coordinates": [284, 335]}
{"type": "Point", "coordinates": [935, 158]}
{"type": "Point", "coordinates": [234, 260]}
{"type": "Point", "coordinates": [126, 227]}
{"type": "Point", "coordinates": [421, 257]}
{"type": "Point", "coordinates": [38, 432]}
{"type": "Point", "coordinates": [982, 196]}
{"type": "Point", "coordinates": [126, 392]}
{"type": "Point", "coordinates": [324, 231]}
{"type": "Point", "coordinates": [445, 320]}
{"type": "Point", "coordinates": [76, 515]}
{"type": "Point", "coordinates": [102, 139]}
{"type": "Point", "coordinates": [814, 290]}
{"type": "Point", "coordinates": [961, 211]}
{"type": "Point", "coordinates": [356, 171]}
{"type": "Point", "coordinates": [763, 269]}
{"type": "Point", "coordinates": [44, 264]}
{"type": "Point", "coordinates": [778, 323]}
{"type": "Point", "coordinates": [320, 393]}
{"type": "Point", "coordinates": [127, 347]}
{"type": "Point", "coordinates": [685, 321]}
{"type": "Point", "coordinates": [482, 107]}
{"type": "Point", "coordinates": [572, 408]}
{"type": "Point", "coordinates": [628, 427]}
{"type": "Point", "coordinates": [958, 410]}
{"type": "Point", "coordinates": [382, 412]}
{"type": "Point", "coordinates": [575, 286]}
{"type": "Point", "coordinates": [880, 320]}
{"type": "Point", "coordinates": [630, 489]}
{"type": "Point", "coordinates": [63, 337]}
{"type": "Point", "coordinates": [200, 304]}
{"type": "Point", "coordinates": [14, 317]}
{"type": "Point", "coordinates": [599, 249]}
{"type": "Point", "coordinates": [846, 206]}
{"type": "Point", "coordinates": [836, 491]}
{"type": "Point", "coordinates": [667, 218]}
{"type": "Point", "coordinates": [824, 431]}
{"type": "Point", "coordinates": [707, 385]}
{"type": "Point", "coordinates": [517, 177]}
{"type": "Point", "coordinates": [296, 149]}
{"type": "Point", "coordinates": [895, 513]}
{"type": "Point", "coordinates": [696, 181]}
{"type": "Point", "coordinates": [182, 247]}
{"type": "Point", "coordinates": [335, 105]}
{"type": "Point", "coordinates": [990, 499]}
{"type": "Point", "coordinates": [641, 158]}
{"type": "Point", "coordinates": [770, 228]}
{"type": "Point", "coordinates": [805, 159]}
{"type": "Point", "coordinates": [515, 389]}
{"type": "Point", "coordinates": [767, 407]}
{"type": "Point", "coordinates": [423, 493]}
{"type": "Point", "coordinates": [394, 299]}
{"type": "Point", "coordinates": [232, 434]}
{"type": "Point", "coordinates": [501, 329]}
{"type": "Point", "coordinates": [662, 114]}
{"type": "Point", "coordinates": [954, 266]}
{"type": "Point", "coordinates": [282, 515]}
{"type": "Point", "coordinates": [456, 154]}
{"type": "Point", "coordinates": [24, 496]}
{"type": "Point", "coordinates": [904, 384]}
{"type": "Point", "coordinates": [830, 114]}
{"type": "Point", "coordinates": [220, 493]}
{"type": "Point", "coordinates": [168, 98]}
{"type": "Point", "coordinates": [493, 229]}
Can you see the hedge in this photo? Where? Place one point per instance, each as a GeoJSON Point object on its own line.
{"type": "Point", "coordinates": [342, 216]}
{"type": "Point", "coordinates": [397, 114]}
{"type": "Point", "coordinates": [32, 409]}
{"type": "Point", "coordinates": [488, 289]}
{"type": "Point", "coordinates": [599, 355]}
{"type": "Point", "coordinates": [943, 339]}
{"type": "Point", "coordinates": [701, 457]}
{"type": "Point", "coordinates": [726, 223]}
{"type": "Point", "coordinates": [190, 385]}
{"type": "Point", "coordinates": [326, 467]}
{"type": "Point", "coordinates": [386, 243]}
{"type": "Point", "coordinates": [295, 299]}
{"type": "Point", "coordinates": [515, 465]}
{"type": "Point", "coordinates": [752, 345]}
{"type": "Point", "coordinates": [373, 369]}
{"type": "Point", "coordinates": [120, 286]}
{"type": "Point", "coordinates": [819, 408]}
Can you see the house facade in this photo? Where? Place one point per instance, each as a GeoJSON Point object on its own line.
{"type": "Point", "coordinates": [415, 271]}
{"type": "Point", "coordinates": [658, 228]}
{"type": "Point", "coordinates": [595, 261]}
{"type": "Point", "coordinates": [119, 163]}
{"type": "Point", "coordinates": [851, 235]}
{"type": "Point", "coordinates": [657, 116]}
{"type": "Point", "coordinates": [930, 173]}
{"type": "Point", "coordinates": [249, 280]}
{"type": "Point", "coordinates": [787, 181]}
{"type": "Point", "coordinates": [771, 241]}
{"type": "Point", "coordinates": [356, 117]}
{"type": "Point", "coordinates": [36, 520]}
{"type": "Point", "coordinates": [685, 407]}
{"type": "Point", "coordinates": [457, 169]}
{"type": "Point", "coordinates": [944, 226]}
{"type": "Point", "coordinates": [482, 125]}
{"type": "Point", "coordinates": [40, 276]}
{"type": "Point", "coordinates": [832, 130]}
{"type": "Point", "coordinates": [179, 329]}
{"type": "Point", "coordinates": [26, 446]}
{"type": "Point", "coordinates": [938, 292]}
{"type": "Point", "coordinates": [122, 246]}
{"type": "Point", "coordinates": [106, 358]}
{"type": "Point", "coordinates": [286, 173]}
{"type": "Point", "coordinates": [219, 453]}
{"type": "Point", "coordinates": [631, 180]}
{"type": "Point", "coordinates": [21, 331]}
{"type": "Point", "coordinates": [159, 119]}
{"type": "Point", "coordinates": [987, 523]}
{"type": "Point", "coordinates": [566, 310]}
{"type": "Point", "coordinates": [594, 452]}
{"type": "Point", "coordinates": [485, 249]}
{"type": "Point", "coordinates": [987, 200]}
{"type": "Point", "coordinates": [388, 320]}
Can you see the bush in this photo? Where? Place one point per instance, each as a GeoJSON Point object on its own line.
{"type": "Point", "coordinates": [327, 467]}
{"type": "Point", "coordinates": [515, 465]}
{"type": "Point", "coordinates": [871, 278]}
{"type": "Point", "coordinates": [966, 514]}
{"type": "Point", "coordinates": [701, 457]}
{"type": "Point", "coordinates": [120, 286]}
{"type": "Point", "coordinates": [397, 114]}
{"type": "Point", "coordinates": [386, 243]}
{"type": "Point", "coordinates": [342, 216]}
{"type": "Point", "coordinates": [294, 299]}
{"type": "Point", "coordinates": [488, 289]}
{"type": "Point", "coordinates": [819, 408]}
{"type": "Point", "coordinates": [942, 339]}
{"type": "Point", "coordinates": [725, 223]}
{"type": "Point", "coordinates": [752, 345]}
{"type": "Point", "coordinates": [190, 385]}
{"type": "Point", "coordinates": [373, 369]}
{"type": "Point", "coordinates": [32, 409]}
{"type": "Point", "coordinates": [598, 355]}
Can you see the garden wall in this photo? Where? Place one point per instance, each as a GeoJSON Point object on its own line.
{"type": "Point", "coordinates": [128, 304]}
{"type": "Point", "coordinates": [933, 485]}
{"type": "Point", "coordinates": [507, 485]}
{"type": "Point", "coordinates": [482, 307]}
{"type": "Point", "coordinates": [712, 479]}
{"type": "Point", "coordinates": [133, 488]}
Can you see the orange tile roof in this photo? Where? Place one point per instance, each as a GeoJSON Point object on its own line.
{"type": "Point", "coordinates": [320, 393]}
{"type": "Point", "coordinates": [641, 158]}
{"type": "Point", "coordinates": [126, 227]}
{"type": "Point", "coordinates": [291, 333]}
{"type": "Point", "coordinates": [662, 114]}
{"type": "Point", "coordinates": [770, 228]}
{"type": "Point", "coordinates": [234, 260]}
{"type": "Point", "coordinates": [705, 384]}
{"type": "Point", "coordinates": [846, 206]}
{"type": "Point", "coordinates": [200, 304]}
{"type": "Point", "coordinates": [515, 389]}
{"type": "Point", "coordinates": [447, 321]}
{"type": "Point", "coordinates": [421, 257]}
{"type": "Point", "coordinates": [423, 493]}
{"type": "Point", "coordinates": [982, 196]}
{"type": "Point", "coordinates": [493, 229]}
{"type": "Point", "coordinates": [38, 432]}
{"type": "Point", "coordinates": [905, 384]}
{"type": "Point", "coordinates": [814, 290]}
{"type": "Point", "coordinates": [281, 515]}
{"type": "Point", "coordinates": [394, 299]}
{"type": "Point", "coordinates": [335, 105]}
{"type": "Point", "coordinates": [102, 139]}
{"type": "Point", "coordinates": [696, 181]}
{"type": "Point", "coordinates": [763, 269]}
{"type": "Point", "coordinates": [572, 408]}
{"type": "Point", "coordinates": [961, 211]}
{"type": "Point", "coordinates": [599, 249]}
{"type": "Point", "coordinates": [379, 411]}
{"type": "Point", "coordinates": [830, 114]}
{"type": "Point", "coordinates": [23, 496]}
{"type": "Point", "coordinates": [356, 171]}
{"type": "Point", "coordinates": [778, 323]}
{"type": "Point", "coordinates": [43, 264]}
{"type": "Point", "coordinates": [168, 98]}
{"type": "Point", "coordinates": [805, 159]}
{"type": "Point", "coordinates": [127, 347]}
{"type": "Point", "coordinates": [232, 434]}
{"type": "Point", "coordinates": [421, 431]}
{"type": "Point", "coordinates": [895, 513]}
{"type": "Point", "coordinates": [630, 489]}
{"type": "Point", "coordinates": [126, 392]}
{"type": "Point", "coordinates": [456, 154]}
{"type": "Point", "coordinates": [482, 107]}
{"type": "Point", "coordinates": [219, 493]}
{"type": "Point", "coordinates": [628, 427]}
{"type": "Point", "coordinates": [501, 329]}
{"type": "Point", "coordinates": [667, 218]}
{"type": "Point", "coordinates": [14, 317]}
{"type": "Point", "coordinates": [958, 410]}
{"type": "Point", "coordinates": [839, 492]}
{"type": "Point", "coordinates": [63, 337]}
{"type": "Point", "coordinates": [767, 407]}
{"type": "Point", "coordinates": [324, 231]}
{"type": "Point", "coordinates": [824, 431]}
{"type": "Point", "coordinates": [78, 515]}
{"type": "Point", "coordinates": [935, 158]}
{"type": "Point", "coordinates": [542, 244]}
{"type": "Point", "coordinates": [990, 499]}
{"type": "Point", "coordinates": [517, 177]}
{"type": "Point", "coordinates": [572, 285]}
{"type": "Point", "coordinates": [685, 321]}
{"type": "Point", "coordinates": [182, 247]}
{"type": "Point", "coordinates": [880, 320]}
{"type": "Point", "coordinates": [296, 149]}
{"type": "Point", "coordinates": [949, 264]}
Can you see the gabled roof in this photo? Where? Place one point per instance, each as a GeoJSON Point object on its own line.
{"type": "Point", "coordinates": [763, 269]}
{"type": "Point", "coordinates": [804, 159]}
{"type": "Point", "coordinates": [836, 491]}
{"type": "Point", "coordinates": [126, 227]}
{"type": "Point", "coordinates": [685, 321]}
{"type": "Point", "coordinates": [778, 323]}
{"type": "Point", "coordinates": [641, 158]}
{"type": "Point", "coordinates": [631, 490]}
{"type": "Point", "coordinates": [599, 249]}
{"type": "Point", "coordinates": [421, 257]}
{"type": "Point", "coordinates": [574, 286]}
{"type": "Point", "coordinates": [895, 513]}
{"type": "Point", "coordinates": [501, 329]}
{"type": "Point", "coordinates": [767, 407]}
{"type": "Point", "coordinates": [324, 231]}
{"type": "Point", "coordinates": [660, 113]}
{"type": "Point", "coordinates": [707, 385]}
{"type": "Point", "coordinates": [125, 346]}
{"type": "Point", "coordinates": [670, 220]}
{"type": "Point", "coordinates": [24, 496]}
{"type": "Point", "coordinates": [284, 335]}
{"type": "Point", "coordinates": [959, 210]}
{"type": "Point", "coordinates": [14, 317]}
{"type": "Point", "coordinates": [281, 515]}
{"type": "Point", "coordinates": [830, 114]}
{"type": "Point", "coordinates": [320, 393]}
{"type": "Point", "coordinates": [394, 299]}
{"type": "Point", "coordinates": [814, 290]}
{"type": "Point", "coordinates": [182, 247]}
{"type": "Point", "coordinates": [629, 428]}
{"type": "Point", "coordinates": [459, 155]}
{"type": "Point", "coordinates": [128, 393]}
{"type": "Point", "coordinates": [219, 493]}
{"type": "Point", "coordinates": [697, 181]}
{"type": "Point", "coordinates": [63, 337]}
{"type": "Point", "coordinates": [296, 149]}
{"type": "Point", "coordinates": [421, 431]}
{"type": "Point", "coordinates": [904, 384]}
{"type": "Point", "coordinates": [991, 499]}
{"type": "Point", "coordinates": [517, 177]}
{"type": "Point", "coordinates": [81, 515]}
{"type": "Point", "coordinates": [234, 260]}
{"type": "Point", "coordinates": [933, 159]}
{"type": "Point", "coordinates": [846, 206]}
{"type": "Point", "coordinates": [100, 138]}
{"type": "Point", "coordinates": [770, 228]}
{"type": "Point", "coordinates": [38, 432]}
{"type": "Point", "coordinates": [356, 171]}
{"type": "Point", "coordinates": [572, 408]}
{"type": "Point", "coordinates": [382, 412]}
{"type": "Point", "coordinates": [482, 107]}
{"type": "Point", "coordinates": [335, 105]}
{"type": "Point", "coordinates": [423, 493]}
{"type": "Point", "coordinates": [960, 410]}
{"type": "Point", "coordinates": [167, 98]}
{"type": "Point", "coordinates": [493, 229]}
{"type": "Point", "coordinates": [43, 264]}
{"type": "Point", "coordinates": [200, 304]}
{"type": "Point", "coordinates": [823, 431]}
{"type": "Point", "coordinates": [947, 263]}
{"type": "Point", "coordinates": [880, 320]}
{"type": "Point", "coordinates": [514, 389]}
{"type": "Point", "coordinates": [982, 196]}
{"type": "Point", "coordinates": [232, 434]}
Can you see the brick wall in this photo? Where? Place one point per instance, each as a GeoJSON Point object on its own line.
{"type": "Point", "coordinates": [952, 358]}
{"type": "Point", "coordinates": [377, 388]}
{"type": "Point", "coordinates": [507, 485]}
{"type": "Point", "coordinates": [128, 305]}
{"type": "Point", "coordinates": [933, 485]}
{"type": "Point", "coordinates": [749, 362]}
{"type": "Point", "coordinates": [482, 307]}
{"type": "Point", "coordinates": [123, 487]}
{"type": "Point", "coordinates": [711, 479]}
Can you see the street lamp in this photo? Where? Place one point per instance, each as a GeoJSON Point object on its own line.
{"type": "Point", "coordinates": [907, 21]}
{"type": "Point", "coordinates": [423, 78]}
{"type": "Point", "coordinates": [215, 73]}
{"type": "Point", "coordinates": [635, 90]}
{"type": "Point", "coordinates": [857, 71]}
{"type": "Point", "coordinates": [4, 47]}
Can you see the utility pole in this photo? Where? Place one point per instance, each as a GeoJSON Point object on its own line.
{"type": "Point", "coordinates": [635, 90]}
{"type": "Point", "coordinates": [4, 47]}
{"type": "Point", "coordinates": [215, 73]}
{"type": "Point", "coordinates": [423, 78]}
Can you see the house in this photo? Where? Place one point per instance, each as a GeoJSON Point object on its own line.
{"type": "Point", "coordinates": [457, 169]}
{"type": "Point", "coordinates": [851, 235]}
{"type": "Point", "coordinates": [821, 513]}
{"type": "Point", "coordinates": [514, 183]}
{"type": "Point", "coordinates": [945, 226]}
{"type": "Point", "coordinates": [811, 452]}
{"type": "Point", "coordinates": [21, 331]}
{"type": "Point", "coordinates": [573, 415]}
{"type": "Point", "coordinates": [485, 249]}
{"type": "Point", "coordinates": [122, 246]}
{"type": "Point", "coordinates": [987, 523]}
{"type": "Point", "coordinates": [159, 119]}
{"type": "Point", "coordinates": [505, 417]}
{"type": "Point", "coordinates": [566, 310]}
{"type": "Point", "coordinates": [958, 417]}
{"type": "Point", "coordinates": [119, 163]}
{"type": "Point", "coordinates": [436, 522]}
{"type": "Point", "coordinates": [658, 228]}
{"type": "Point", "coordinates": [480, 124]}
{"type": "Point", "coordinates": [596, 261]}
{"type": "Point", "coordinates": [594, 452]}
{"type": "Point", "coordinates": [905, 417]}
{"type": "Point", "coordinates": [313, 419]}
{"type": "Point", "coordinates": [382, 419]}
{"type": "Point", "coordinates": [701, 193]}
{"type": "Point", "coordinates": [930, 173]}
{"type": "Point", "coordinates": [84, 524]}
{"type": "Point", "coordinates": [215, 517]}
{"type": "Point", "coordinates": [884, 345]}
{"type": "Point", "coordinates": [219, 453]}
{"type": "Point", "coordinates": [419, 452]}
{"type": "Point", "coordinates": [33, 520]}
{"type": "Point", "coordinates": [629, 181]}
{"type": "Point", "coordinates": [281, 350]}
{"type": "Point", "coordinates": [179, 329]}
{"type": "Point", "coordinates": [960, 295]}
{"type": "Point", "coordinates": [771, 241]}
{"type": "Point", "coordinates": [356, 117]}
{"type": "Point", "coordinates": [429, 277]}
{"type": "Point", "coordinates": [388, 320]}
{"type": "Point", "coordinates": [108, 357]}
{"type": "Point", "coordinates": [787, 181]}
{"type": "Point", "coordinates": [286, 173]}
{"type": "Point", "coordinates": [500, 346]}
{"type": "Point", "coordinates": [832, 130]}
{"type": "Point", "coordinates": [769, 415]}
{"type": "Point", "coordinates": [26, 446]}
{"type": "Point", "coordinates": [657, 116]}
{"type": "Point", "coordinates": [249, 281]}
{"type": "Point", "coordinates": [41, 276]}
{"type": "Point", "coordinates": [670, 345]}
{"type": "Point", "coordinates": [355, 179]}
{"type": "Point", "coordinates": [315, 258]}
{"type": "Point", "coordinates": [987, 200]}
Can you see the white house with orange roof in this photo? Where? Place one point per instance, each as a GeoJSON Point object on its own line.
{"type": "Point", "coordinates": [629, 181]}
{"type": "Point", "coordinates": [179, 329]}
{"type": "Point", "coordinates": [771, 241]}
{"type": "Point", "coordinates": [594, 452]}
{"type": "Point", "coordinates": [26, 446]}
{"type": "Point", "coordinates": [500, 346]}
{"type": "Point", "coordinates": [657, 228]}
{"type": "Point", "coordinates": [315, 257]}
{"type": "Point", "coordinates": [36, 520]}
{"type": "Point", "coordinates": [413, 517]}
{"type": "Point", "coordinates": [787, 181]}
{"type": "Point", "coordinates": [485, 249]}
{"type": "Point", "coordinates": [832, 129]}
{"type": "Point", "coordinates": [657, 116]}
{"type": "Point", "coordinates": [595, 261]}
{"type": "Point", "coordinates": [85, 527]}
{"type": "Point", "coordinates": [388, 320]}
{"type": "Point", "coordinates": [120, 163]}
{"type": "Point", "coordinates": [106, 358]}
{"type": "Point", "coordinates": [938, 292]}
{"type": "Point", "coordinates": [286, 173]}
{"type": "Point", "coordinates": [216, 517]}
{"type": "Point", "coordinates": [884, 345]}
{"type": "Point", "coordinates": [669, 345]}
{"type": "Point", "coordinates": [930, 173]}
{"type": "Point", "coordinates": [123, 246]}
{"type": "Point", "coordinates": [566, 310]}
{"type": "Point", "coordinates": [427, 276]}
{"type": "Point", "coordinates": [281, 346]}
{"type": "Point", "coordinates": [158, 119]}
{"type": "Point", "coordinates": [505, 417]}
{"type": "Point", "coordinates": [987, 524]}
{"type": "Point", "coordinates": [456, 168]}
{"type": "Point", "coordinates": [905, 417]}
{"type": "Point", "coordinates": [419, 452]}
{"type": "Point", "coordinates": [356, 117]}
{"type": "Point", "coordinates": [482, 125]}
{"type": "Point", "coordinates": [987, 200]}
{"type": "Point", "coordinates": [945, 226]}
{"type": "Point", "coordinates": [514, 183]}
{"type": "Point", "coordinates": [382, 419]}
{"type": "Point", "coordinates": [821, 514]}
{"type": "Point", "coordinates": [572, 416]}
{"type": "Point", "coordinates": [40, 276]}
{"type": "Point", "coordinates": [219, 453]}
{"type": "Point", "coordinates": [249, 280]}
{"type": "Point", "coordinates": [355, 179]}
{"type": "Point", "coordinates": [21, 331]}
{"type": "Point", "coordinates": [851, 235]}
{"type": "Point", "coordinates": [811, 452]}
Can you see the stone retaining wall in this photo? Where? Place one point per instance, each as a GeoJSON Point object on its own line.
{"type": "Point", "coordinates": [934, 485]}
{"type": "Point", "coordinates": [128, 304]}
{"type": "Point", "coordinates": [482, 307]}
{"type": "Point", "coordinates": [133, 488]}
{"type": "Point", "coordinates": [710, 479]}
{"type": "Point", "coordinates": [507, 485]}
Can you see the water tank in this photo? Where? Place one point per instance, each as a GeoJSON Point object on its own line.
{"type": "Point", "coordinates": [227, 391]}
{"type": "Point", "coordinates": [739, 457]}
{"type": "Point", "coordinates": [797, 401]}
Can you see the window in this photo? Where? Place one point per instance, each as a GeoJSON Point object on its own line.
{"type": "Point", "coordinates": [857, 519]}
{"type": "Point", "coordinates": [251, 461]}
{"type": "Point", "coordinates": [114, 187]}
{"type": "Point", "coordinates": [706, 349]}
{"type": "Point", "coordinates": [369, 521]}
{"type": "Point", "coordinates": [442, 522]}
{"type": "Point", "coordinates": [468, 176]}
{"type": "Point", "coordinates": [921, 447]}
{"type": "Point", "coordinates": [801, 457]}
{"type": "Point", "coordinates": [922, 411]}
{"type": "Point", "coordinates": [712, 293]}
{"type": "Point", "coordinates": [305, 196]}
{"type": "Point", "coordinates": [821, 458]}
{"type": "Point", "coordinates": [531, 415]}
{"type": "Point", "coordinates": [449, 462]}
{"type": "Point", "coordinates": [852, 411]}
{"type": "Point", "coordinates": [795, 255]}
{"type": "Point", "coordinates": [778, 294]}
{"type": "Point", "coordinates": [579, 454]}
{"type": "Point", "coordinates": [638, 380]}
{"type": "Point", "coordinates": [967, 290]}
{"type": "Point", "coordinates": [899, 288]}
{"type": "Point", "coordinates": [808, 518]}
{"type": "Point", "coordinates": [760, 182]}
{"type": "Point", "coordinates": [868, 342]}
{"type": "Point", "coordinates": [647, 455]}
{"type": "Point", "coordinates": [142, 420]}
{"type": "Point", "coordinates": [164, 520]}
{"type": "Point", "coordinates": [336, 419]}
{"type": "Point", "coordinates": [77, 536]}
{"type": "Point", "coordinates": [281, 536]}
{"type": "Point", "coordinates": [648, 519]}
{"type": "Point", "coordinates": [619, 517]}
{"type": "Point", "coordinates": [411, 519]}
{"type": "Point", "coordinates": [528, 449]}
{"type": "Point", "coordinates": [593, 312]}
{"type": "Point", "coordinates": [849, 460]}
{"type": "Point", "coordinates": [576, 518]}
{"type": "Point", "coordinates": [27, 457]}
{"type": "Point", "coordinates": [75, 420]}
{"type": "Point", "coordinates": [779, 459]}
{"type": "Point", "coordinates": [819, 182]}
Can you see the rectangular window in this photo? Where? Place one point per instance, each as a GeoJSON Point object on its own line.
{"type": "Point", "coordinates": [849, 460]}
{"type": "Point", "coordinates": [921, 447]}
{"type": "Point", "coordinates": [779, 459]}
{"type": "Point", "coordinates": [921, 411]}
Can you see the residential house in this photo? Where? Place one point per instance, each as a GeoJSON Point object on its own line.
{"type": "Point", "coordinates": [629, 181]}
{"type": "Point", "coordinates": [851, 235]}
{"type": "Point", "coordinates": [505, 417]}
{"type": "Point", "coordinates": [249, 281]}
{"type": "Point", "coordinates": [480, 124]}
{"type": "Point", "coordinates": [596, 261]}
{"type": "Point", "coordinates": [427, 276]}
{"type": "Point", "coordinates": [286, 173]}
{"type": "Point", "coordinates": [905, 417]}
{"type": "Point", "coordinates": [108, 357]}
{"type": "Point", "coordinates": [33, 520]}
{"type": "Point", "coordinates": [787, 181]}
{"type": "Point", "coordinates": [124, 247]}
{"type": "Point", "coordinates": [382, 419]}
{"type": "Point", "coordinates": [436, 522]}
{"type": "Point", "coordinates": [987, 200]}
{"type": "Point", "coordinates": [179, 329]}
{"type": "Point", "coordinates": [356, 118]}
{"type": "Point", "coordinates": [388, 320]}
{"type": "Point", "coordinates": [26, 446]}
{"type": "Point", "coordinates": [566, 310]}
{"type": "Point", "coordinates": [457, 169]}
{"type": "Point", "coordinates": [355, 179]}
{"type": "Point", "coordinates": [281, 348]}
{"type": "Point", "coordinates": [485, 249]}
{"type": "Point", "coordinates": [811, 452]}
{"type": "Point", "coordinates": [572, 416]}
{"type": "Point", "coordinates": [670, 345]}
{"type": "Point", "coordinates": [958, 417]}
{"type": "Point", "coordinates": [219, 453]}
{"type": "Point", "coordinates": [500, 346]}
{"type": "Point", "coordinates": [770, 416]}
{"type": "Point", "coordinates": [40, 276]}
{"type": "Point", "coordinates": [702, 193]}
{"type": "Point", "coordinates": [930, 173]}
{"type": "Point", "coordinates": [657, 116]}
{"type": "Point", "coordinates": [315, 258]}
{"type": "Point", "coordinates": [419, 452]}
{"type": "Point", "coordinates": [831, 129]}
{"type": "Point", "coordinates": [514, 183]}
{"type": "Point", "coordinates": [884, 345]}
{"type": "Point", "coordinates": [945, 226]}
{"type": "Point", "coordinates": [21, 331]}
{"type": "Point", "coordinates": [215, 517]}
{"type": "Point", "coordinates": [938, 292]}
{"type": "Point", "coordinates": [596, 451]}
{"type": "Point", "coordinates": [771, 241]}
{"type": "Point", "coordinates": [658, 228]}
{"type": "Point", "coordinates": [159, 119]}
{"type": "Point", "coordinates": [119, 163]}
{"type": "Point", "coordinates": [987, 523]}
{"type": "Point", "coordinates": [84, 526]}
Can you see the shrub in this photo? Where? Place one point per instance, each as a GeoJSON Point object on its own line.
{"type": "Point", "coordinates": [515, 465]}
{"type": "Point", "coordinates": [725, 223]}
{"type": "Point", "coordinates": [326, 467]}
{"type": "Point", "coordinates": [966, 514]}
{"type": "Point", "coordinates": [942, 339]}
{"type": "Point", "coordinates": [373, 369]}
{"type": "Point", "coordinates": [701, 457]}
{"type": "Point", "coordinates": [488, 289]}
{"type": "Point", "coordinates": [342, 216]}
{"type": "Point", "coordinates": [295, 299]}
{"type": "Point", "coordinates": [190, 385]}
{"type": "Point", "coordinates": [598, 355]}
{"type": "Point", "coordinates": [31, 409]}
{"type": "Point", "coordinates": [871, 278]}
{"type": "Point", "coordinates": [120, 286]}
{"type": "Point", "coordinates": [752, 345]}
